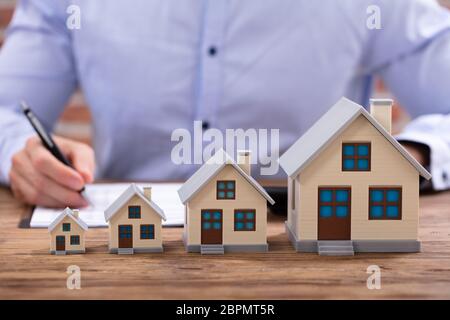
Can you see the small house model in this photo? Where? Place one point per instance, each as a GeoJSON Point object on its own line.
{"type": "Point", "coordinates": [135, 222]}
{"type": "Point", "coordinates": [226, 209]}
{"type": "Point", "coordinates": [351, 185]}
{"type": "Point", "coordinates": [67, 233]}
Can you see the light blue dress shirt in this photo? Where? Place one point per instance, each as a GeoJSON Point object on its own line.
{"type": "Point", "coordinates": [147, 67]}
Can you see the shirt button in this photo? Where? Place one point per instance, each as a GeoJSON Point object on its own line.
{"type": "Point", "coordinates": [212, 51]}
{"type": "Point", "coordinates": [205, 125]}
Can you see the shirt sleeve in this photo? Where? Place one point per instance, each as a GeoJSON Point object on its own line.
{"type": "Point", "coordinates": [36, 65]}
{"type": "Point", "coordinates": [411, 53]}
{"type": "Point", "coordinates": [434, 131]}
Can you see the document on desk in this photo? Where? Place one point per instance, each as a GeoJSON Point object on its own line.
{"type": "Point", "coordinates": [165, 195]}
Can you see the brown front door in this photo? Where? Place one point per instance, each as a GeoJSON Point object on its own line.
{"type": "Point", "coordinates": [334, 216]}
{"type": "Point", "coordinates": [60, 243]}
{"type": "Point", "coordinates": [125, 236]}
{"type": "Point", "coordinates": [211, 226]}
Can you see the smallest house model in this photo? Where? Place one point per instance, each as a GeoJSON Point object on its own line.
{"type": "Point", "coordinates": [351, 185]}
{"type": "Point", "coordinates": [134, 222]}
{"type": "Point", "coordinates": [67, 233]}
{"type": "Point", "coordinates": [226, 209]}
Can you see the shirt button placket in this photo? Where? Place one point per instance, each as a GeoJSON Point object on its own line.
{"type": "Point", "coordinates": [210, 89]}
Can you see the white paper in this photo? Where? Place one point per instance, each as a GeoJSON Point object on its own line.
{"type": "Point", "coordinates": [165, 195]}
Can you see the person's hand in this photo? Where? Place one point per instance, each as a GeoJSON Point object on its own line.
{"type": "Point", "coordinates": [419, 151]}
{"type": "Point", "coordinates": [38, 178]}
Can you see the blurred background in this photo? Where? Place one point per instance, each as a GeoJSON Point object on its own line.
{"type": "Point", "coordinates": [75, 120]}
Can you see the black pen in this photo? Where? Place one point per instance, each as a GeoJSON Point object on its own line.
{"type": "Point", "coordinates": [48, 142]}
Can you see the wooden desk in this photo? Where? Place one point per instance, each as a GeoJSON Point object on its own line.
{"type": "Point", "coordinates": [28, 271]}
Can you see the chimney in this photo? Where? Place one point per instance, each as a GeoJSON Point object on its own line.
{"type": "Point", "coordinates": [76, 213]}
{"type": "Point", "coordinates": [148, 192]}
{"type": "Point", "coordinates": [381, 110]}
{"type": "Point", "coordinates": [244, 160]}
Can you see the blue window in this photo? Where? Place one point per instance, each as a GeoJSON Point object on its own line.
{"type": "Point", "coordinates": [356, 156]}
{"type": "Point", "coordinates": [66, 227]}
{"type": "Point", "coordinates": [334, 202]}
{"type": "Point", "coordinates": [385, 203]}
{"type": "Point", "coordinates": [134, 212]}
{"type": "Point", "coordinates": [326, 211]}
{"type": "Point", "coordinates": [376, 212]}
{"type": "Point", "coordinates": [206, 215]}
{"type": "Point", "coordinates": [211, 219]}
{"type": "Point", "coordinates": [363, 150]}
{"type": "Point", "coordinates": [226, 190]}
{"type": "Point", "coordinates": [377, 195]}
{"type": "Point", "coordinates": [348, 149]}
{"type": "Point", "coordinates": [341, 211]}
{"type": "Point", "coordinates": [239, 215]}
{"type": "Point", "coordinates": [206, 225]}
{"type": "Point", "coordinates": [342, 195]}
{"type": "Point", "coordinates": [147, 231]}
{"type": "Point", "coordinates": [326, 195]}
{"type": "Point", "coordinates": [125, 232]}
{"type": "Point", "coordinates": [245, 220]}
{"type": "Point", "coordinates": [75, 240]}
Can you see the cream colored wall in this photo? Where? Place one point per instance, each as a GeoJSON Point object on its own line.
{"type": "Point", "coordinates": [75, 230]}
{"type": "Point", "coordinates": [290, 195]}
{"type": "Point", "coordinates": [293, 198]}
{"type": "Point", "coordinates": [388, 168]}
{"type": "Point", "coordinates": [148, 216]}
{"type": "Point", "coordinates": [247, 197]}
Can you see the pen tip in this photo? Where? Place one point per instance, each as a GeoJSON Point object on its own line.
{"type": "Point", "coordinates": [86, 197]}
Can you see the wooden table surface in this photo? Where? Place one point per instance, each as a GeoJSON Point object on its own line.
{"type": "Point", "coordinates": [27, 271]}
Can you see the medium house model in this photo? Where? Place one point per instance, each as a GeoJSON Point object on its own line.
{"type": "Point", "coordinates": [351, 185]}
{"type": "Point", "coordinates": [226, 209]}
{"type": "Point", "coordinates": [67, 233]}
{"type": "Point", "coordinates": [134, 222]}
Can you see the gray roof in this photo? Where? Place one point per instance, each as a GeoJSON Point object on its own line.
{"type": "Point", "coordinates": [328, 127]}
{"type": "Point", "coordinates": [209, 170]}
{"type": "Point", "coordinates": [62, 215]}
{"type": "Point", "coordinates": [131, 191]}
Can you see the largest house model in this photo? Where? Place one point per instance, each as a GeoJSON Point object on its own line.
{"type": "Point", "coordinates": [226, 209]}
{"type": "Point", "coordinates": [351, 185]}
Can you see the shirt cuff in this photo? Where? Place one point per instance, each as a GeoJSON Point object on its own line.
{"type": "Point", "coordinates": [439, 156]}
{"type": "Point", "coordinates": [15, 132]}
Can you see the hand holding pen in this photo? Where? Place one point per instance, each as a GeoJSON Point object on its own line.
{"type": "Point", "coordinates": [51, 171]}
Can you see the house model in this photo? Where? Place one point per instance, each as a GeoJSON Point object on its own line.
{"type": "Point", "coordinates": [226, 209]}
{"type": "Point", "coordinates": [67, 233]}
{"type": "Point", "coordinates": [134, 222]}
{"type": "Point", "coordinates": [351, 185]}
